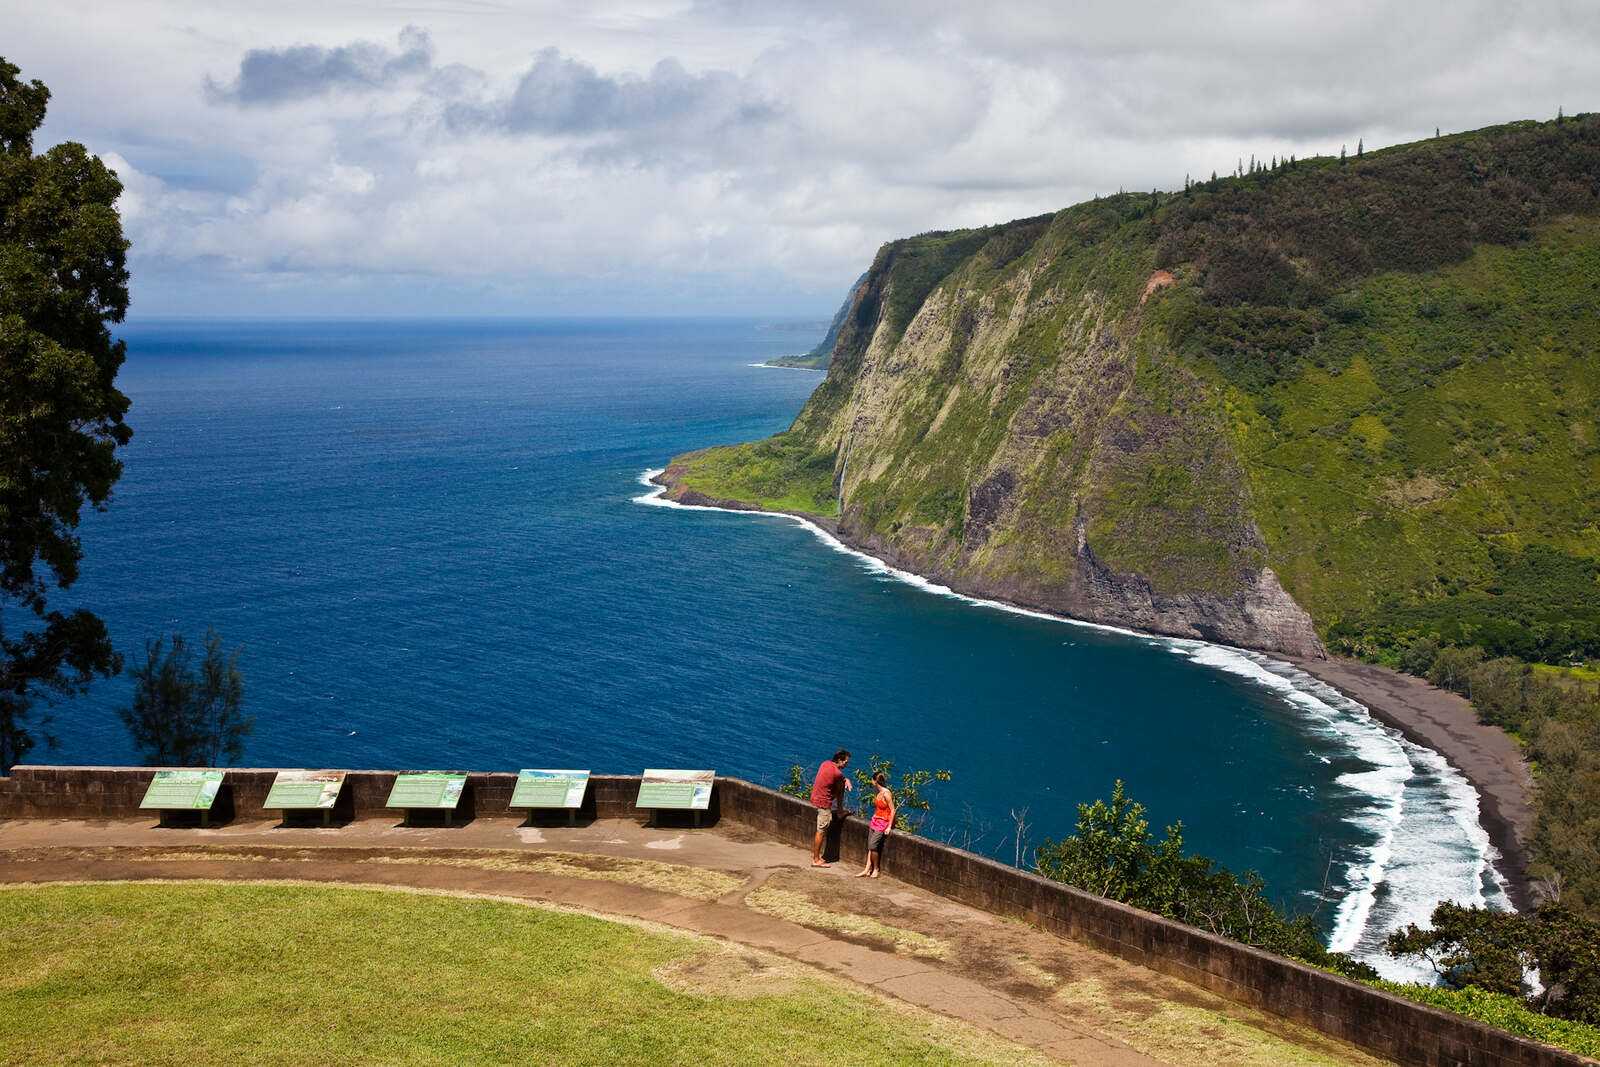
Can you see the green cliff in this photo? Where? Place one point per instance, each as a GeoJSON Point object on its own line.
{"type": "Point", "coordinates": [1326, 401]}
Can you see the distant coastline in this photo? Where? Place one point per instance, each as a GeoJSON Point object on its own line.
{"type": "Point", "coordinates": [1427, 716]}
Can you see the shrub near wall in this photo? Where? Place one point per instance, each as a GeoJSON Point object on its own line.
{"type": "Point", "coordinates": [1388, 1025]}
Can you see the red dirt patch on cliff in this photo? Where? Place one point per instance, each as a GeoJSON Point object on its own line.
{"type": "Point", "coordinates": [1159, 280]}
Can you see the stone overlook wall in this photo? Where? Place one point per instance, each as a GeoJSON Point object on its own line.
{"type": "Point", "coordinates": [1389, 1026]}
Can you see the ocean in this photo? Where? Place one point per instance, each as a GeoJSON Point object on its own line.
{"type": "Point", "coordinates": [431, 542]}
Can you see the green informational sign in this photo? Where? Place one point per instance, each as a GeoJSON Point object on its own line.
{"type": "Point", "coordinates": [549, 789]}
{"type": "Point", "coordinates": [680, 790]}
{"type": "Point", "coordinates": [304, 789]}
{"type": "Point", "coordinates": [193, 790]}
{"type": "Point", "coordinates": [427, 790]}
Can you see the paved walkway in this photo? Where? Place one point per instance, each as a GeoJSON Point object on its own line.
{"type": "Point", "coordinates": [733, 883]}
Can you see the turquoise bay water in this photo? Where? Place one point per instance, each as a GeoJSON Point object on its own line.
{"type": "Point", "coordinates": [427, 537]}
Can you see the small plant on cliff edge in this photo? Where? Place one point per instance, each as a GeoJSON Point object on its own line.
{"type": "Point", "coordinates": [911, 805]}
{"type": "Point", "coordinates": [796, 785]}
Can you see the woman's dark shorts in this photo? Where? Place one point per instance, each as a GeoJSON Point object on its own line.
{"type": "Point", "coordinates": [875, 841]}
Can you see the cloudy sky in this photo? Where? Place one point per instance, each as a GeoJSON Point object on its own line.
{"type": "Point", "coordinates": [464, 157]}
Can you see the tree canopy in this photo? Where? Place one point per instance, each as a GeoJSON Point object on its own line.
{"type": "Point", "coordinates": [181, 717]}
{"type": "Point", "coordinates": [63, 278]}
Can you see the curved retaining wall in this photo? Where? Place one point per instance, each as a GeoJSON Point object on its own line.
{"type": "Point", "coordinates": [1387, 1025]}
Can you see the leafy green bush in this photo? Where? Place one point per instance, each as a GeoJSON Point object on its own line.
{"type": "Point", "coordinates": [1114, 856]}
{"type": "Point", "coordinates": [912, 806]}
{"type": "Point", "coordinates": [1506, 1012]}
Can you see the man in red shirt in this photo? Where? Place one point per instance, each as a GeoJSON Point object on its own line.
{"type": "Point", "coordinates": [826, 796]}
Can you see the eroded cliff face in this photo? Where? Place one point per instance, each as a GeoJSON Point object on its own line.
{"type": "Point", "coordinates": [1089, 486]}
{"type": "Point", "coordinates": [1026, 439]}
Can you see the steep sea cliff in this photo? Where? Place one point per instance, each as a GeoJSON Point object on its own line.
{"type": "Point", "coordinates": [1309, 398]}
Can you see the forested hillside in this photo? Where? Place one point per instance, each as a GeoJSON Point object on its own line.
{"type": "Point", "coordinates": [1344, 404]}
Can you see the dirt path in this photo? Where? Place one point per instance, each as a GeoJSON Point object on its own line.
{"type": "Point", "coordinates": [732, 883]}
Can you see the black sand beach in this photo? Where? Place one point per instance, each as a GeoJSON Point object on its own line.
{"type": "Point", "coordinates": [1446, 723]}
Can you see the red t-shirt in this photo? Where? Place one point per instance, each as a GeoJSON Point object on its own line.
{"type": "Point", "coordinates": [824, 788]}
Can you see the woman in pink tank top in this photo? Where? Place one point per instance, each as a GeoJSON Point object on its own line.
{"type": "Point", "coordinates": [882, 823]}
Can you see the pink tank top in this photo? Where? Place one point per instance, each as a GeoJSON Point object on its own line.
{"type": "Point", "coordinates": [880, 817]}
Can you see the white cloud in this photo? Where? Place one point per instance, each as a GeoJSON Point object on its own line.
{"type": "Point", "coordinates": [606, 152]}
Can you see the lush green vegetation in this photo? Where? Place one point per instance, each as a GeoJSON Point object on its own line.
{"type": "Point", "coordinates": [781, 474]}
{"type": "Point", "coordinates": [1505, 1011]}
{"type": "Point", "coordinates": [1425, 467]}
{"type": "Point", "coordinates": [1292, 233]}
{"type": "Point", "coordinates": [1114, 855]}
{"type": "Point", "coordinates": [1537, 604]}
{"type": "Point", "coordinates": [1476, 948]}
{"type": "Point", "coordinates": [1558, 725]}
{"type": "Point", "coordinates": [294, 974]}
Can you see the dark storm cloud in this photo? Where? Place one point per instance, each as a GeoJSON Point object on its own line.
{"type": "Point", "coordinates": [274, 76]}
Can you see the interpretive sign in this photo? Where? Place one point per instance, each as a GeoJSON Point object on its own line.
{"type": "Point", "coordinates": [549, 789]}
{"type": "Point", "coordinates": [429, 789]}
{"type": "Point", "coordinates": [677, 790]}
{"type": "Point", "coordinates": [305, 791]}
{"type": "Point", "coordinates": [194, 790]}
{"type": "Point", "coordinates": [183, 791]}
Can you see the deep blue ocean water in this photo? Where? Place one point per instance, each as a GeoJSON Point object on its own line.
{"type": "Point", "coordinates": [426, 537]}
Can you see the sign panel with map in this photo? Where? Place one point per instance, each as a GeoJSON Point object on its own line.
{"type": "Point", "coordinates": [677, 790]}
{"type": "Point", "coordinates": [549, 789]}
{"type": "Point", "coordinates": [304, 789]}
{"type": "Point", "coordinates": [191, 790]}
{"type": "Point", "coordinates": [429, 789]}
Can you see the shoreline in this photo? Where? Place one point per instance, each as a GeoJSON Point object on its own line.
{"type": "Point", "coordinates": [1439, 720]}
{"type": "Point", "coordinates": [1434, 718]}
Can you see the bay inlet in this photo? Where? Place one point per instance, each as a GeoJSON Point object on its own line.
{"type": "Point", "coordinates": [424, 537]}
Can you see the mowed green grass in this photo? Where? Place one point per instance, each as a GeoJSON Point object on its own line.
{"type": "Point", "coordinates": [247, 973]}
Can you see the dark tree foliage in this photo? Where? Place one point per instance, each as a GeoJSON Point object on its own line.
{"type": "Point", "coordinates": [186, 718]}
{"type": "Point", "coordinates": [62, 279]}
{"type": "Point", "coordinates": [1540, 605]}
{"type": "Point", "coordinates": [1292, 238]}
{"type": "Point", "coordinates": [1113, 855]}
{"type": "Point", "coordinates": [1471, 947]}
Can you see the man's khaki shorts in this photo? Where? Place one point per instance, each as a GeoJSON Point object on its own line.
{"type": "Point", "coordinates": [824, 819]}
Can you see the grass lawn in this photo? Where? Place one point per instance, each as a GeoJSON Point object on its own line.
{"type": "Point", "coordinates": [216, 973]}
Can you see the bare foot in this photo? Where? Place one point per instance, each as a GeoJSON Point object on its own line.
{"type": "Point", "coordinates": [863, 874]}
{"type": "Point", "coordinates": [818, 863]}
{"type": "Point", "coordinates": [874, 874]}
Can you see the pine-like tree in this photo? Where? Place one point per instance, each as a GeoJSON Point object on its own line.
{"type": "Point", "coordinates": [63, 277]}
